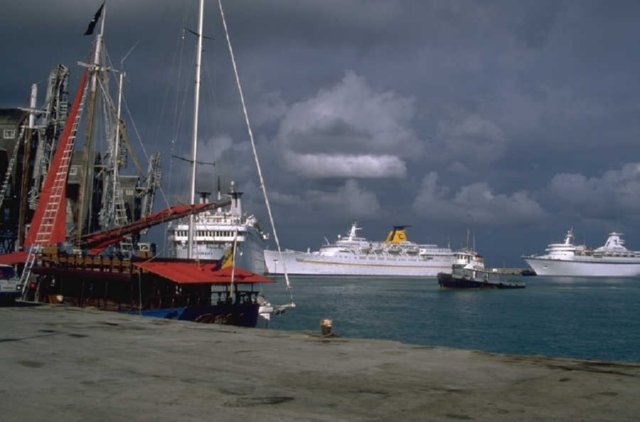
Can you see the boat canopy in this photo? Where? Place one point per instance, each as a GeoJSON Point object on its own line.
{"type": "Point", "coordinates": [14, 258]}
{"type": "Point", "coordinates": [190, 272]}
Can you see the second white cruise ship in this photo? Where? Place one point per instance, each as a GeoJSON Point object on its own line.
{"type": "Point", "coordinates": [352, 255]}
{"type": "Point", "coordinates": [569, 260]}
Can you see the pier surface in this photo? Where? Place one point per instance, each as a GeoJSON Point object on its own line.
{"type": "Point", "coordinates": [59, 363]}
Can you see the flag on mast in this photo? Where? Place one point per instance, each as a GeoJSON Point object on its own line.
{"type": "Point", "coordinates": [94, 21]}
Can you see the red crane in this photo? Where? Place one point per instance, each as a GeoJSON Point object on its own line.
{"type": "Point", "coordinates": [96, 242]}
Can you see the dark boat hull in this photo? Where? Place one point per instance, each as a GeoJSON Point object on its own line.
{"type": "Point", "coordinates": [9, 298]}
{"type": "Point", "coordinates": [452, 282]}
{"type": "Point", "coordinates": [240, 315]}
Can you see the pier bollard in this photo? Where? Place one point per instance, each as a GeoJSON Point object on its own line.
{"type": "Point", "coordinates": [325, 327]}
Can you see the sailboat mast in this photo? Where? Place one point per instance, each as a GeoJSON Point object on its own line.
{"type": "Point", "coordinates": [116, 149]}
{"type": "Point", "coordinates": [196, 106]}
{"type": "Point", "coordinates": [86, 185]}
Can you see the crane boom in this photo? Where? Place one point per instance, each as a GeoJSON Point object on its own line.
{"type": "Point", "coordinates": [96, 242]}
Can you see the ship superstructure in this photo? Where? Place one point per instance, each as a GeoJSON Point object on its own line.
{"type": "Point", "coordinates": [566, 259]}
{"type": "Point", "coordinates": [353, 255]}
{"type": "Point", "coordinates": [214, 232]}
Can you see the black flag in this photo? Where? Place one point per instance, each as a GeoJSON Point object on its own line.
{"type": "Point", "coordinates": [94, 21]}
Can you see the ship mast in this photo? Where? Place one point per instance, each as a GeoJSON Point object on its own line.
{"type": "Point", "coordinates": [86, 184]}
{"type": "Point", "coordinates": [28, 140]}
{"type": "Point", "coordinates": [116, 145]}
{"type": "Point", "coordinates": [196, 105]}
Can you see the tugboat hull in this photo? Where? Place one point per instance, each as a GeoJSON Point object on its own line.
{"type": "Point", "coordinates": [460, 282]}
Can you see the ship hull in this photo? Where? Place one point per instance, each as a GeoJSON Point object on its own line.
{"type": "Point", "coordinates": [453, 282]}
{"type": "Point", "coordinates": [242, 315]}
{"type": "Point", "coordinates": [594, 267]}
{"type": "Point", "coordinates": [301, 263]}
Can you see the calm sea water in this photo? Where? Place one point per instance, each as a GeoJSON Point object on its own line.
{"type": "Point", "coordinates": [581, 318]}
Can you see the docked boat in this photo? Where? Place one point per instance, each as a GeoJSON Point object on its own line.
{"type": "Point", "coordinates": [567, 259]}
{"type": "Point", "coordinates": [353, 255]}
{"type": "Point", "coordinates": [205, 291]}
{"type": "Point", "coordinates": [473, 277]}
{"type": "Point", "coordinates": [100, 269]}
{"type": "Point", "coordinates": [214, 232]}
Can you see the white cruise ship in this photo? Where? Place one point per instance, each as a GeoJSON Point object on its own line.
{"type": "Point", "coordinates": [352, 255]}
{"type": "Point", "coordinates": [569, 260]}
{"type": "Point", "coordinates": [214, 232]}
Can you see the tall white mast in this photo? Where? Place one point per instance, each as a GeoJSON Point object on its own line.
{"type": "Point", "coordinates": [98, 50]}
{"type": "Point", "coordinates": [33, 102]}
{"type": "Point", "coordinates": [196, 105]}
{"type": "Point", "coordinates": [116, 146]}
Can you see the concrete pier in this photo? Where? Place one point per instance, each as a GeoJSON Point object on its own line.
{"type": "Point", "coordinates": [59, 363]}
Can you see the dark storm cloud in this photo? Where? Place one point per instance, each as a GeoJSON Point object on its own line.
{"type": "Point", "coordinates": [442, 114]}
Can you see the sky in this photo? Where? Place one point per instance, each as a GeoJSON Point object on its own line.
{"type": "Point", "coordinates": [514, 121]}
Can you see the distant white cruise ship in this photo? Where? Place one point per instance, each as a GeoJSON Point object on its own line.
{"type": "Point", "coordinates": [215, 231]}
{"type": "Point", "coordinates": [352, 255]}
{"type": "Point", "coordinates": [567, 259]}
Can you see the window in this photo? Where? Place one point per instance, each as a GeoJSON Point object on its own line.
{"type": "Point", "coordinates": [9, 133]}
{"type": "Point", "coordinates": [73, 171]}
{"type": "Point", "coordinates": [7, 272]}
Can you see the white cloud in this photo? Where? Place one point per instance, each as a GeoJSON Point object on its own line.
{"type": "Point", "coordinates": [474, 203]}
{"type": "Point", "coordinates": [342, 165]}
{"type": "Point", "coordinates": [614, 194]}
{"type": "Point", "coordinates": [349, 131]}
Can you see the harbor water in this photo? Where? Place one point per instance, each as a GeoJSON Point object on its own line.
{"type": "Point", "coordinates": [555, 317]}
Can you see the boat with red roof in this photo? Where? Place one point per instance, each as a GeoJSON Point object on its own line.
{"type": "Point", "coordinates": [103, 271]}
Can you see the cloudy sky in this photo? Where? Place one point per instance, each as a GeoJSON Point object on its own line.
{"type": "Point", "coordinates": [514, 119]}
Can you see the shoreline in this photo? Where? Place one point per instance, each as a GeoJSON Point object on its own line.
{"type": "Point", "coordinates": [63, 363]}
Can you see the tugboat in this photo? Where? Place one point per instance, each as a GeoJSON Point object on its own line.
{"type": "Point", "coordinates": [473, 277]}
